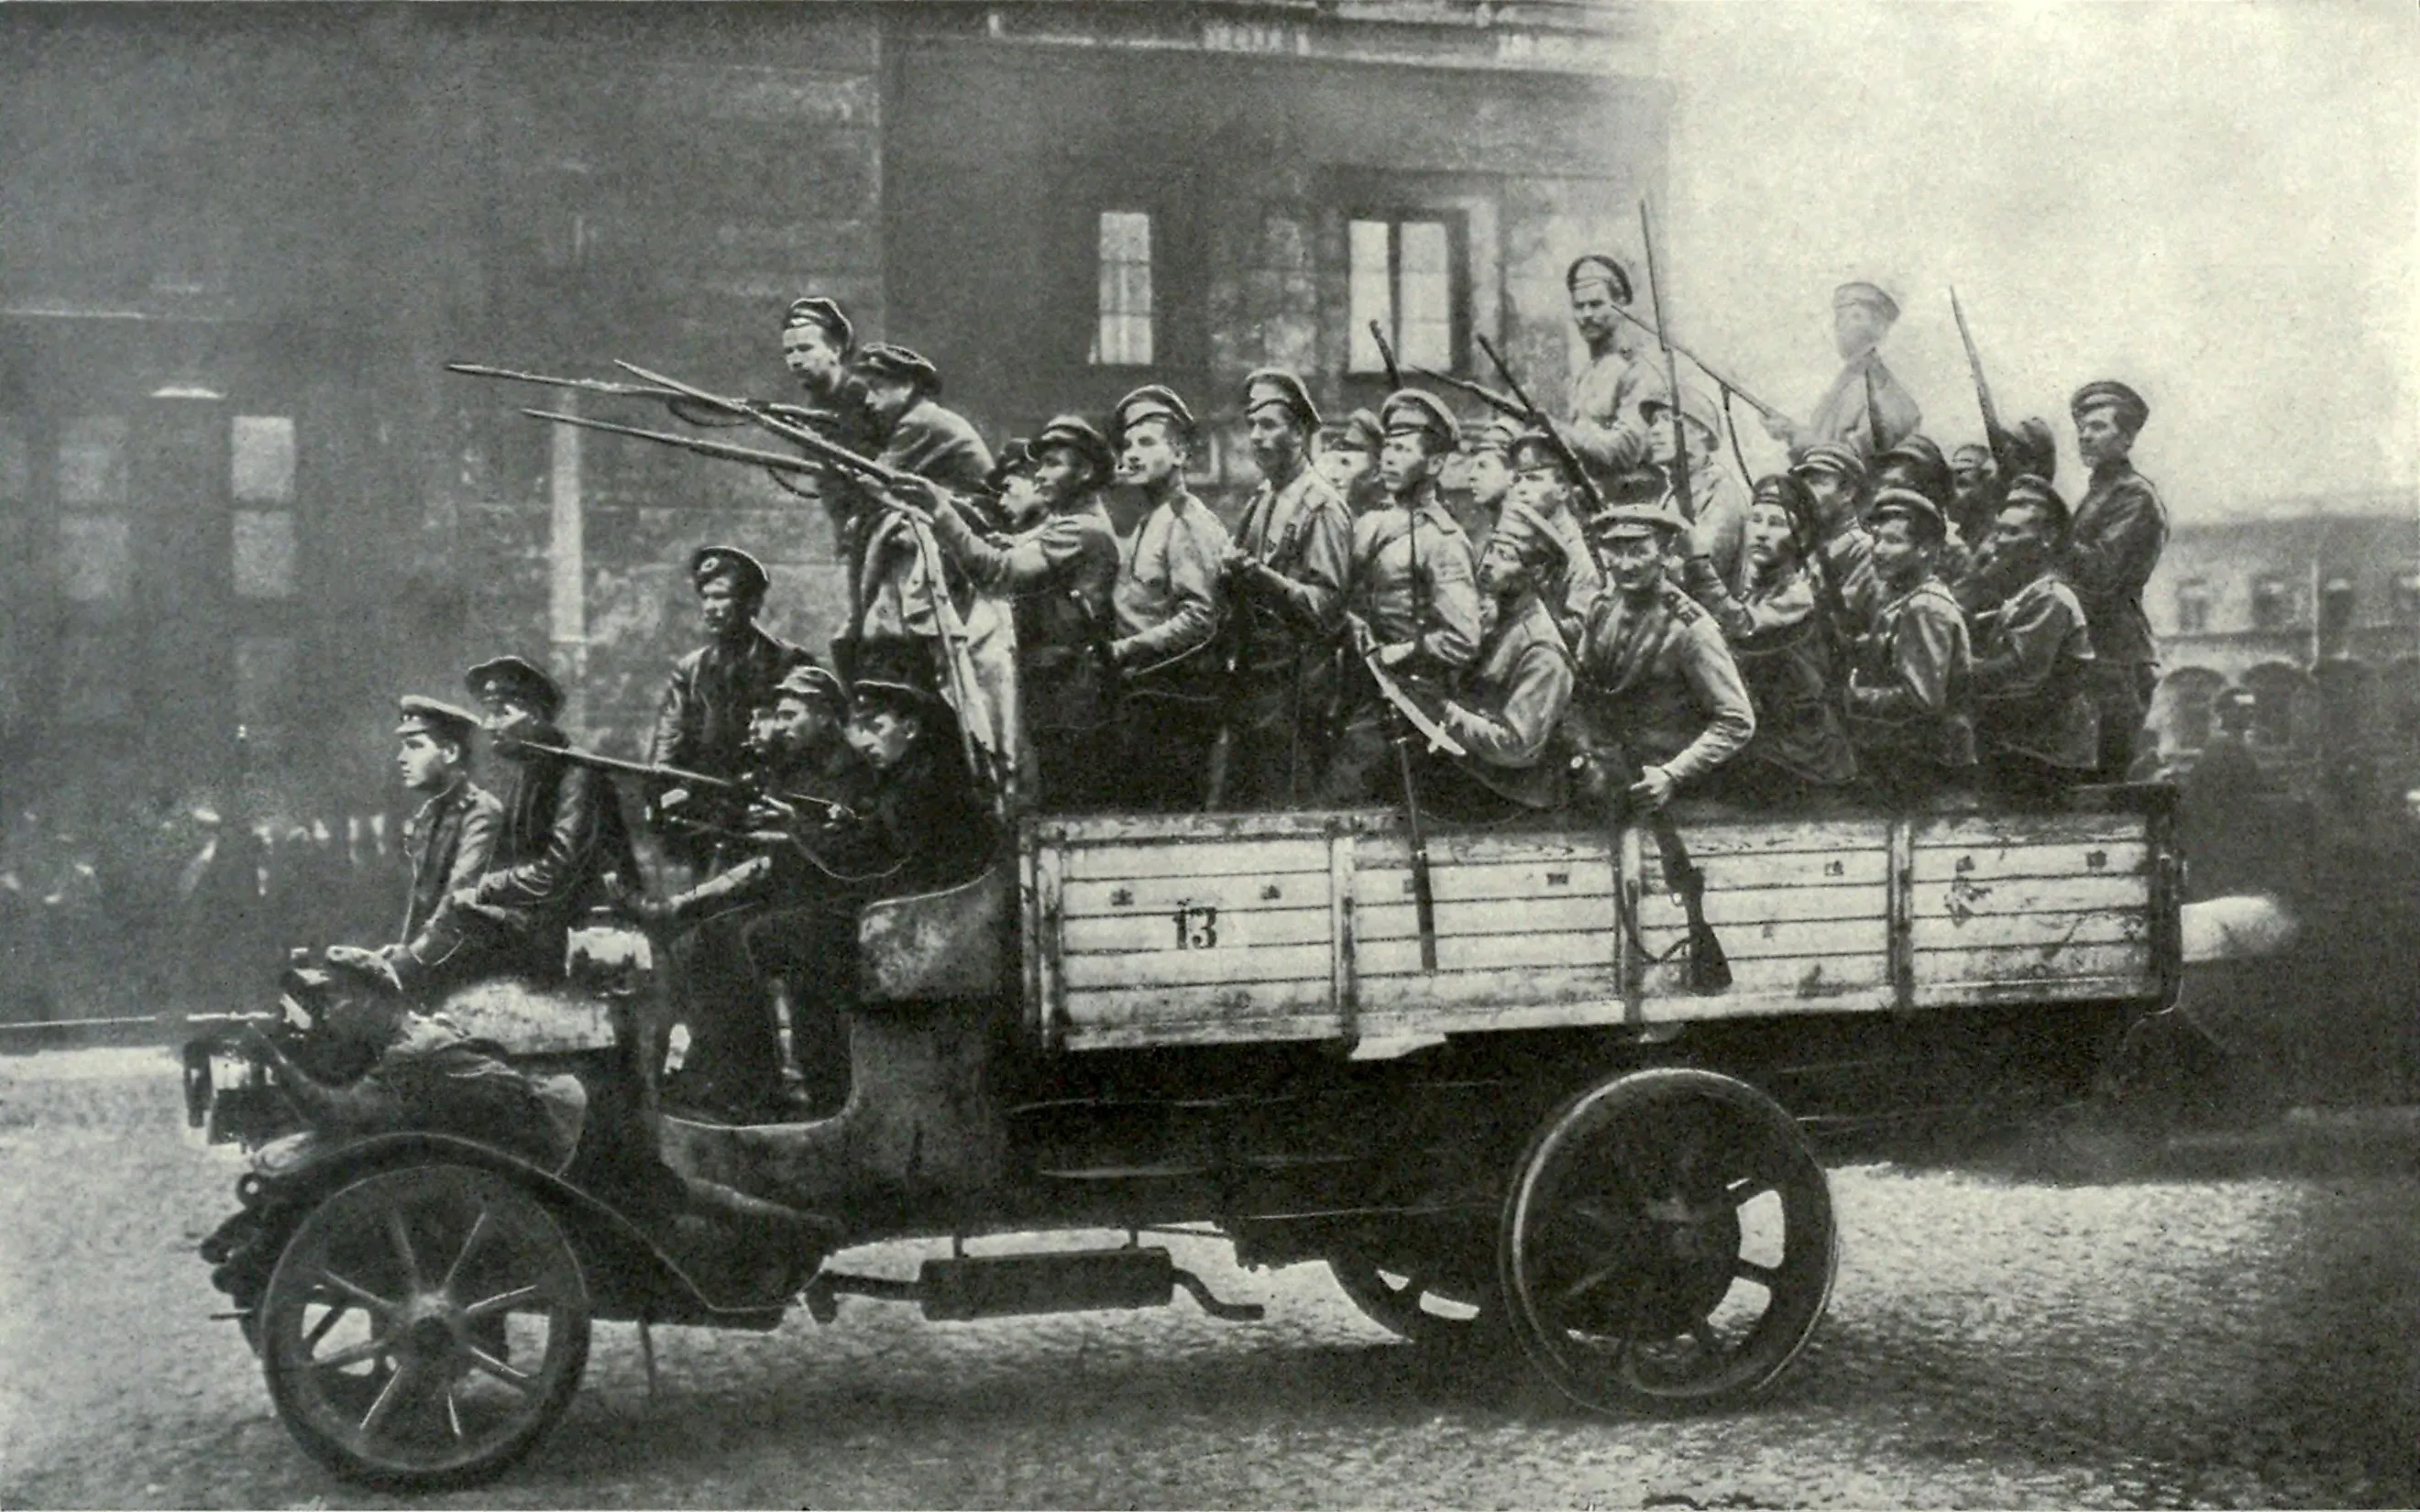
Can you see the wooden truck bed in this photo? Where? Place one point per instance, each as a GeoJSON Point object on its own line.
{"type": "Point", "coordinates": [1232, 928]}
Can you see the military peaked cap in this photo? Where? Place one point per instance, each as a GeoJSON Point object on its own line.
{"type": "Point", "coordinates": [1499, 435]}
{"type": "Point", "coordinates": [708, 562]}
{"type": "Point", "coordinates": [1540, 446]}
{"type": "Point", "coordinates": [515, 677]}
{"type": "Point", "coordinates": [1870, 295]}
{"type": "Point", "coordinates": [2028, 489]}
{"type": "Point", "coordinates": [1596, 268]}
{"type": "Point", "coordinates": [1631, 517]}
{"type": "Point", "coordinates": [1836, 458]}
{"type": "Point", "coordinates": [435, 716]}
{"type": "Point", "coordinates": [1080, 436]}
{"type": "Point", "coordinates": [898, 364]}
{"type": "Point", "coordinates": [894, 674]}
{"type": "Point", "coordinates": [1527, 531]}
{"type": "Point", "coordinates": [1696, 408]}
{"type": "Point", "coordinates": [812, 680]}
{"type": "Point", "coordinates": [1419, 412]}
{"type": "Point", "coordinates": [816, 310]}
{"type": "Point", "coordinates": [1014, 457]}
{"type": "Point", "coordinates": [1787, 489]}
{"type": "Point", "coordinates": [1914, 506]}
{"type": "Point", "coordinates": [1917, 463]}
{"type": "Point", "coordinates": [1356, 432]}
{"type": "Point", "coordinates": [1279, 386]}
{"type": "Point", "coordinates": [2033, 449]}
{"type": "Point", "coordinates": [2131, 410]}
{"type": "Point", "coordinates": [1153, 401]}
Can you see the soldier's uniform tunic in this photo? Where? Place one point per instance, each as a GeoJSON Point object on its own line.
{"type": "Point", "coordinates": [1909, 703]}
{"type": "Point", "coordinates": [1778, 639]}
{"type": "Point", "coordinates": [1655, 676]}
{"type": "Point", "coordinates": [2034, 715]}
{"type": "Point", "coordinates": [1167, 606]}
{"type": "Point", "coordinates": [1413, 580]}
{"type": "Point", "coordinates": [1604, 427]}
{"type": "Point", "coordinates": [1511, 707]}
{"type": "Point", "coordinates": [2119, 529]}
{"type": "Point", "coordinates": [449, 842]}
{"type": "Point", "coordinates": [1285, 659]}
{"type": "Point", "coordinates": [702, 719]}
{"type": "Point", "coordinates": [1059, 578]}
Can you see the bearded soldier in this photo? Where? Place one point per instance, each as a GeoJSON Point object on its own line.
{"type": "Point", "coordinates": [1866, 407]}
{"type": "Point", "coordinates": [1166, 602]}
{"type": "Point", "coordinates": [1413, 583]}
{"type": "Point", "coordinates": [1287, 567]}
{"type": "Point", "coordinates": [1513, 699]}
{"type": "Point", "coordinates": [1606, 427]}
{"type": "Point", "coordinates": [2113, 544]}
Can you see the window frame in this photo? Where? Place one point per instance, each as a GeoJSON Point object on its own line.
{"type": "Point", "coordinates": [1153, 237]}
{"type": "Point", "coordinates": [1395, 215]}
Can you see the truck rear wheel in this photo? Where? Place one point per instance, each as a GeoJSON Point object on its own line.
{"type": "Point", "coordinates": [1667, 1243]}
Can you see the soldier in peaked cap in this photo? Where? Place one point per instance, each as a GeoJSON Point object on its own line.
{"type": "Point", "coordinates": [1287, 567]}
{"type": "Point", "coordinates": [919, 435]}
{"type": "Point", "coordinates": [817, 342]}
{"type": "Point", "coordinates": [1486, 475]}
{"type": "Point", "coordinates": [1716, 506]}
{"type": "Point", "coordinates": [701, 718]}
{"type": "Point", "coordinates": [1168, 608]}
{"type": "Point", "coordinates": [1866, 407]}
{"type": "Point", "coordinates": [1917, 463]}
{"type": "Point", "coordinates": [1838, 487]}
{"type": "Point", "coordinates": [2034, 715]}
{"type": "Point", "coordinates": [1605, 426]}
{"type": "Point", "coordinates": [449, 840]}
{"type": "Point", "coordinates": [1348, 459]}
{"type": "Point", "coordinates": [1511, 699]}
{"type": "Point", "coordinates": [1547, 485]}
{"type": "Point", "coordinates": [2113, 544]}
{"type": "Point", "coordinates": [1909, 701]}
{"type": "Point", "coordinates": [1657, 685]}
{"type": "Point", "coordinates": [1059, 577]}
{"type": "Point", "coordinates": [1413, 583]}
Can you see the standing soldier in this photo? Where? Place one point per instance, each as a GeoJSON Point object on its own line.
{"type": "Point", "coordinates": [1606, 426]}
{"type": "Point", "coordinates": [1348, 459]}
{"type": "Point", "coordinates": [2113, 544]}
{"type": "Point", "coordinates": [1866, 395]}
{"type": "Point", "coordinates": [903, 392]}
{"type": "Point", "coordinates": [816, 344]}
{"type": "Point", "coordinates": [1908, 698]}
{"type": "Point", "coordinates": [1059, 578]}
{"type": "Point", "coordinates": [2034, 716]}
{"type": "Point", "coordinates": [1287, 568]}
{"type": "Point", "coordinates": [1656, 683]}
{"type": "Point", "coordinates": [1413, 583]}
{"type": "Point", "coordinates": [1512, 700]}
{"type": "Point", "coordinates": [1716, 508]}
{"type": "Point", "coordinates": [1167, 603]}
{"type": "Point", "coordinates": [702, 720]}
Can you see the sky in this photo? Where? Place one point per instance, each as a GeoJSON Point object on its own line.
{"type": "Point", "coordinates": [2216, 201]}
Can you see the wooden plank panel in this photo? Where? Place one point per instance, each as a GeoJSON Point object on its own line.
{"type": "Point", "coordinates": [1967, 898]}
{"type": "Point", "coordinates": [1517, 847]}
{"type": "Point", "coordinates": [1749, 874]}
{"type": "Point", "coordinates": [1488, 952]}
{"type": "Point", "coordinates": [2127, 858]}
{"type": "Point", "coordinates": [1810, 981]}
{"type": "Point", "coordinates": [2002, 831]}
{"type": "Point", "coordinates": [2032, 962]}
{"type": "Point", "coordinates": [1204, 1030]}
{"type": "Point", "coordinates": [1179, 968]}
{"type": "Point", "coordinates": [1781, 938]}
{"type": "Point", "coordinates": [1207, 1013]}
{"type": "Point", "coordinates": [1980, 930]}
{"type": "Point", "coordinates": [1465, 882]}
{"type": "Point", "coordinates": [1394, 918]}
{"type": "Point", "coordinates": [2057, 990]}
{"type": "Point", "coordinates": [1238, 929]}
{"type": "Point", "coordinates": [1157, 897]}
{"type": "Point", "coordinates": [1196, 859]}
{"type": "Point", "coordinates": [1172, 828]}
{"type": "Point", "coordinates": [1745, 907]}
{"type": "Point", "coordinates": [1446, 1004]}
{"type": "Point", "coordinates": [1770, 836]}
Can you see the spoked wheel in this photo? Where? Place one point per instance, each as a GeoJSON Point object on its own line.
{"type": "Point", "coordinates": [1407, 1301]}
{"type": "Point", "coordinates": [425, 1327]}
{"type": "Point", "coordinates": [1667, 1243]}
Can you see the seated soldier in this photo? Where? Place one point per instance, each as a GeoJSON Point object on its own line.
{"type": "Point", "coordinates": [1412, 583]}
{"type": "Point", "coordinates": [1917, 464]}
{"type": "Point", "coordinates": [1908, 699]}
{"type": "Point", "coordinates": [1659, 704]}
{"type": "Point", "coordinates": [1552, 490]}
{"type": "Point", "coordinates": [449, 841]}
{"type": "Point", "coordinates": [2034, 715]}
{"type": "Point", "coordinates": [562, 837]}
{"type": "Point", "coordinates": [1836, 480]}
{"type": "Point", "coordinates": [1513, 699]}
{"type": "Point", "coordinates": [918, 826]}
{"type": "Point", "coordinates": [1058, 575]}
{"type": "Point", "coordinates": [703, 716]}
{"type": "Point", "coordinates": [1784, 641]}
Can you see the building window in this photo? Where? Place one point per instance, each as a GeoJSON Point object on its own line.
{"type": "Point", "coordinates": [261, 458]}
{"type": "Point", "coordinates": [1402, 274]}
{"type": "Point", "coordinates": [2407, 596]}
{"type": "Point", "coordinates": [1123, 336]}
{"type": "Point", "coordinates": [2273, 604]}
{"type": "Point", "coordinates": [2193, 607]}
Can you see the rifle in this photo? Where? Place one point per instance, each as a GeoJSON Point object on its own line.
{"type": "Point", "coordinates": [1671, 371]}
{"type": "Point", "coordinates": [747, 410]}
{"type": "Point", "coordinates": [677, 777]}
{"type": "Point", "coordinates": [1386, 354]}
{"type": "Point", "coordinates": [1536, 419]}
{"type": "Point", "coordinates": [1994, 435]}
{"type": "Point", "coordinates": [1710, 968]}
{"type": "Point", "coordinates": [1722, 380]}
{"type": "Point", "coordinates": [1404, 716]}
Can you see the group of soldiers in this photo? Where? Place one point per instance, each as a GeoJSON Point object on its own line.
{"type": "Point", "coordinates": [1066, 626]}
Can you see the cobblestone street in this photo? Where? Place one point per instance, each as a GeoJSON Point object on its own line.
{"type": "Point", "coordinates": [1995, 1339]}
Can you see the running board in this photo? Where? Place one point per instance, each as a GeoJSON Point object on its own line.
{"type": "Point", "coordinates": [967, 1287]}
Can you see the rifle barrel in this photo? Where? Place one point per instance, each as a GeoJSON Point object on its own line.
{"type": "Point", "coordinates": [510, 374]}
{"type": "Point", "coordinates": [1722, 379]}
{"type": "Point", "coordinates": [724, 450]}
{"type": "Point", "coordinates": [821, 446]}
